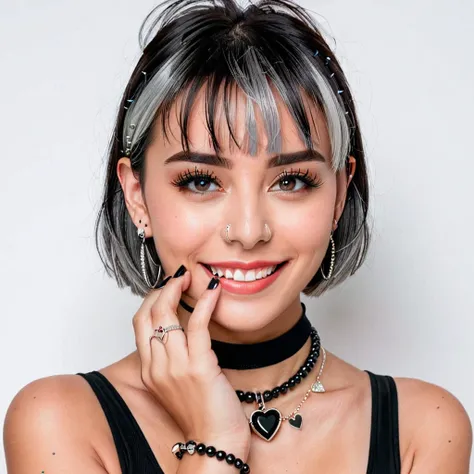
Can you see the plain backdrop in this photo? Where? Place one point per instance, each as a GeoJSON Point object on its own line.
{"type": "Point", "coordinates": [408, 312]}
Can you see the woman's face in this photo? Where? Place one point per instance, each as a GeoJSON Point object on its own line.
{"type": "Point", "coordinates": [187, 217]}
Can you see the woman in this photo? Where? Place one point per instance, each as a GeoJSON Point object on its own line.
{"type": "Point", "coordinates": [236, 181]}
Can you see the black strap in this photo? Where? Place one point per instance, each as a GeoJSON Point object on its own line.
{"type": "Point", "coordinates": [266, 353]}
{"type": "Point", "coordinates": [384, 455]}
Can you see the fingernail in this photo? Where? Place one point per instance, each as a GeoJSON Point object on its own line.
{"type": "Point", "coordinates": [163, 283]}
{"type": "Point", "coordinates": [180, 271]}
{"type": "Point", "coordinates": [213, 284]}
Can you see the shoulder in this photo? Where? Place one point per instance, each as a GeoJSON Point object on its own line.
{"type": "Point", "coordinates": [49, 424]}
{"type": "Point", "coordinates": [439, 426]}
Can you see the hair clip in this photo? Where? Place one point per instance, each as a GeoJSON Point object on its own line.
{"type": "Point", "coordinates": [327, 63]}
{"type": "Point", "coordinates": [129, 101]}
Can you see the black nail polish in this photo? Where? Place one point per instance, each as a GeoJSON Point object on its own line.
{"type": "Point", "coordinates": [180, 271]}
{"type": "Point", "coordinates": [213, 284]}
{"type": "Point", "coordinates": [163, 283]}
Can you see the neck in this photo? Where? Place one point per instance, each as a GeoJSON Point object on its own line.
{"type": "Point", "coordinates": [262, 378]}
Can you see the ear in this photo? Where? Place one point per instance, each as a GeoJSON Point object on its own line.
{"type": "Point", "coordinates": [133, 196]}
{"type": "Point", "coordinates": [343, 179]}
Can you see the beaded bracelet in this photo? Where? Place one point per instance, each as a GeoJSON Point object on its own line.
{"type": "Point", "coordinates": [191, 447]}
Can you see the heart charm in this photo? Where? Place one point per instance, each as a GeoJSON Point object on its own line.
{"type": "Point", "coordinates": [265, 423]}
{"type": "Point", "coordinates": [296, 421]}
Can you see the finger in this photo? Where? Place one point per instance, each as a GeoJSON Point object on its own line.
{"type": "Point", "coordinates": [164, 313]}
{"type": "Point", "coordinates": [199, 339]}
{"type": "Point", "coordinates": [143, 328]}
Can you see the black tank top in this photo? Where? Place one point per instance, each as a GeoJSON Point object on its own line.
{"type": "Point", "coordinates": [136, 455]}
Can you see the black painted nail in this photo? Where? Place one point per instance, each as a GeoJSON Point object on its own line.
{"type": "Point", "coordinates": [163, 283]}
{"type": "Point", "coordinates": [213, 284]}
{"type": "Point", "coordinates": [180, 271]}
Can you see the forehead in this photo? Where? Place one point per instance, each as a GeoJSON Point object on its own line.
{"type": "Point", "coordinates": [238, 105]}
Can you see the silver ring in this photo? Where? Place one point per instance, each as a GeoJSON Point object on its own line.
{"type": "Point", "coordinates": [161, 332]}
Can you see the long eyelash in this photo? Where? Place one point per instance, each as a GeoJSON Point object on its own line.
{"type": "Point", "coordinates": [306, 177]}
{"type": "Point", "coordinates": [183, 179]}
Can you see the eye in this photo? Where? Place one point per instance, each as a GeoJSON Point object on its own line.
{"type": "Point", "coordinates": [196, 181]}
{"type": "Point", "coordinates": [200, 185]}
{"type": "Point", "coordinates": [289, 181]}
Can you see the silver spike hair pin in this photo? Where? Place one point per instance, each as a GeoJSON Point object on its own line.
{"type": "Point", "coordinates": [132, 126]}
{"type": "Point", "coordinates": [327, 62]}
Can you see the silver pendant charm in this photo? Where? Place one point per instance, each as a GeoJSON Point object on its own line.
{"type": "Point", "coordinates": [317, 387]}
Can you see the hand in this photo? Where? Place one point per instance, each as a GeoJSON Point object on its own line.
{"type": "Point", "coordinates": [183, 374]}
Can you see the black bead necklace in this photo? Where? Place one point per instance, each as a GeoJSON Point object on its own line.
{"type": "Point", "coordinates": [266, 422]}
{"type": "Point", "coordinates": [304, 370]}
{"type": "Point", "coordinates": [266, 353]}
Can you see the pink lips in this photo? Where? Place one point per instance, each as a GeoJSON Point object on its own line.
{"type": "Point", "coordinates": [247, 287]}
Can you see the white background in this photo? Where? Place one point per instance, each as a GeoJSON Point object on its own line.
{"type": "Point", "coordinates": [408, 312]}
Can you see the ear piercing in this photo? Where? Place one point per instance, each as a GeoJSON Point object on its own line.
{"type": "Point", "coordinates": [143, 249]}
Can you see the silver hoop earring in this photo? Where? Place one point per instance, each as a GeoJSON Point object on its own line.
{"type": "Point", "coordinates": [333, 257]}
{"type": "Point", "coordinates": [141, 234]}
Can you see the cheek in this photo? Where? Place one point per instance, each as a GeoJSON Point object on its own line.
{"type": "Point", "coordinates": [179, 229]}
{"type": "Point", "coordinates": [309, 226]}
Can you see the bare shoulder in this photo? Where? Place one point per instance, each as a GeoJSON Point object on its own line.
{"type": "Point", "coordinates": [49, 427]}
{"type": "Point", "coordinates": [439, 426]}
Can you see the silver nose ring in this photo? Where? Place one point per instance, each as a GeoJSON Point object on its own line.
{"type": "Point", "coordinates": [227, 227]}
{"type": "Point", "coordinates": [267, 229]}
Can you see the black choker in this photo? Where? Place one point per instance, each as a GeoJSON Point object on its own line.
{"type": "Point", "coordinates": [261, 354]}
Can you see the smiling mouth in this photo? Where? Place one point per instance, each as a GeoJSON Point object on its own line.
{"type": "Point", "coordinates": [244, 275]}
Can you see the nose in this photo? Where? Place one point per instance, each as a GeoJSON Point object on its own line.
{"type": "Point", "coordinates": [246, 223]}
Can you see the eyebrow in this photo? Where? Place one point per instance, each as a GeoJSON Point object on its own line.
{"type": "Point", "coordinates": [215, 160]}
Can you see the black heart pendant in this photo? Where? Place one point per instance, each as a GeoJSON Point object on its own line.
{"type": "Point", "coordinates": [265, 423]}
{"type": "Point", "coordinates": [296, 421]}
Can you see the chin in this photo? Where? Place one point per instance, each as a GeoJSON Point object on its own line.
{"type": "Point", "coordinates": [251, 318]}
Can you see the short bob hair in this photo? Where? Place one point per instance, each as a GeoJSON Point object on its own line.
{"type": "Point", "coordinates": [221, 43]}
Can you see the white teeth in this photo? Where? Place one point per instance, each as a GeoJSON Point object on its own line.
{"type": "Point", "coordinates": [239, 275]}
{"type": "Point", "coordinates": [250, 275]}
{"type": "Point", "coordinates": [242, 275]}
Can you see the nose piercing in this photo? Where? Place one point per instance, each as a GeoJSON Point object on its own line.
{"type": "Point", "coordinates": [227, 227]}
{"type": "Point", "coordinates": [269, 232]}
{"type": "Point", "coordinates": [267, 229]}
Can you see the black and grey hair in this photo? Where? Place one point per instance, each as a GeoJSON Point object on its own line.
{"type": "Point", "coordinates": [220, 44]}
